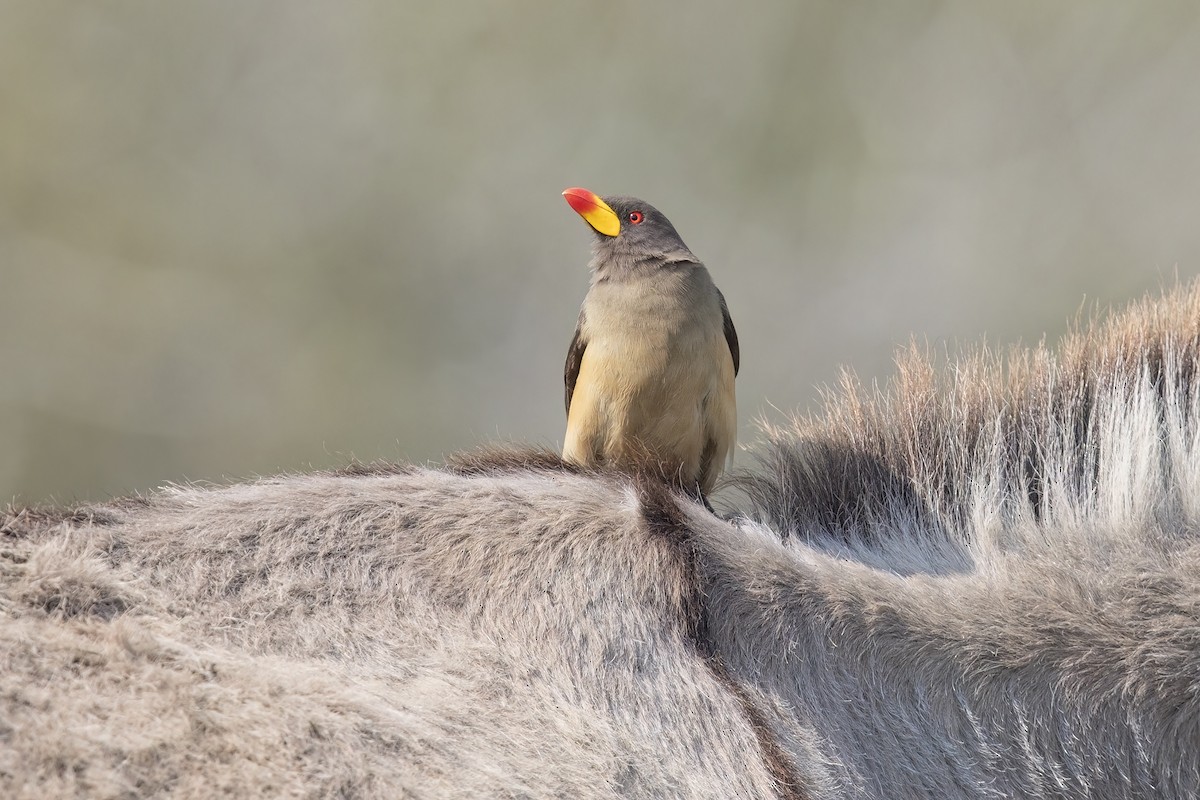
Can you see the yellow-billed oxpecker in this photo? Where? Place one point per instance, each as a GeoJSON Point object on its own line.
{"type": "Point", "coordinates": [649, 375]}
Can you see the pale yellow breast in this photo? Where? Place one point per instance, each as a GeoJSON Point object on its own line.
{"type": "Point", "coordinates": [657, 375]}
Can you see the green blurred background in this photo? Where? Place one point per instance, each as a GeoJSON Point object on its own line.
{"type": "Point", "coordinates": [244, 237]}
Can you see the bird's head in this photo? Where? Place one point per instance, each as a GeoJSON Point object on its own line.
{"type": "Point", "coordinates": [630, 233]}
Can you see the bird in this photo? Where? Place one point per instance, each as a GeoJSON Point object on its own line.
{"type": "Point", "coordinates": [650, 370]}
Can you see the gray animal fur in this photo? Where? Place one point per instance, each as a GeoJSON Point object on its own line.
{"type": "Point", "coordinates": [983, 582]}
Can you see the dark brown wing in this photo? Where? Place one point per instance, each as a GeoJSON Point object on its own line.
{"type": "Point", "coordinates": [730, 336]}
{"type": "Point", "coordinates": [574, 359]}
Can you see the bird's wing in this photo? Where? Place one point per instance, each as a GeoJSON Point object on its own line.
{"type": "Point", "coordinates": [574, 359]}
{"type": "Point", "coordinates": [730, 336]}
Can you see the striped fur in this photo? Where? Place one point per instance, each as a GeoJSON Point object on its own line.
{"type": "Point", "coordinates": [983, 581]}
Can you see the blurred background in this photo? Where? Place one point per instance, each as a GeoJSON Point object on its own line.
{"type": "Point", "coordinates": [238, 238]}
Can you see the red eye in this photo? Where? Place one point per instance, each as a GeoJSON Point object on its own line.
{"type": "Point", "coordinates": [636, 217]}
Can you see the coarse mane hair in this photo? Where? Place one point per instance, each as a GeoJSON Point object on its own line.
{"type": "Point", "coordinates": [996, 450]}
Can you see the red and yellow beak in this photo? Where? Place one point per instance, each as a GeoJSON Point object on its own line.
{"type": "Point", "coordinates": [594, 211]}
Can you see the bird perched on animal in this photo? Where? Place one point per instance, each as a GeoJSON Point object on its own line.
{"type": "Point", "coordinates": [649, 374]}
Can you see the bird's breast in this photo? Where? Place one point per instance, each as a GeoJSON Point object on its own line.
{"type": "Point", "coordinates": [669, 311]}
{"type": "Point", "coordinates": [655, 351]}
{"type": "Point", "coordinates": [656, 377]}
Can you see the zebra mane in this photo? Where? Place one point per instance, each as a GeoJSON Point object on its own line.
{"type": "Point", "coordinates": [995, 449]}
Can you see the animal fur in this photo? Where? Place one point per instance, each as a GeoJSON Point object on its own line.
{"type": "Point", "coordinates": [981, 582]}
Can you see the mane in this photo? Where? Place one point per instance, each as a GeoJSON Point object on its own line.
{"type": "Point", "coordinates": [992, 449]}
